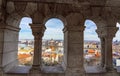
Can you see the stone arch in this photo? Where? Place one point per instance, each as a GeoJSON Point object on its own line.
{"type": "Point", "coordinates": [91, 46]}
{"type": "Point", "coordinates": [93, 23]}
{"type": "Point", "coordinates": [115, 46]}
{"type": "Point", "coordinates": [11, 32]}
{"type": "Point", "coordinates": [63, 19]}
{"type": "Point", "coordinates": [59, 27]}
{"type": "Point", "coordinates": [104, 29]}
{"type": "Point", "coordinates": [100, 22]}
{"type": "Point", "coordinates": [25, 34]}
{"type": "Point", "coordinates": [14, 19]}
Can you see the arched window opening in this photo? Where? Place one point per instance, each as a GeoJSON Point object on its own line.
{"type": "Point", "coordinates": [116, 48]}
{"type": "Point", "coordinates": [92, 51]}
{"type": "Point", "coordinates": [52, 44]}
{"type": "Point", "coordinates": [26, 43]}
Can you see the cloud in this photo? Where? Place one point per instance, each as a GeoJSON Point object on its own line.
{"type": "Point", "coordinates": [90, 24]}
{"type": "Point", "coordinates": [53, 36]}
{"type": "Point", "coordinates": [54, 23]}
{"type": "Point", "coordinates": [91, 37]}
{"type": "Point", "coordinates": [89, 33]}
{"type": "Point", "coordinates": [54, 29]}
{"type": "Point", "coordinates": [26, 20]}
{"type": "Point", "coordinates": [118, 25]}
{"type": "Point", "coordinates": [55, 33]}
{"type": "Point", "coordinates": [25, 32]}
{"type": "Point", "coordinates": [24, 25]}
{"type": "Point", "coordinates": [117, 35]}
{"type": "Point", "coordinates": [26, 35]}
{"type": "Point", "coordinates": [25, 28]}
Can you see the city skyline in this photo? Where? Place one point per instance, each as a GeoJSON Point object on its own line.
{"type": "Point", "coordinates": [54, 30]}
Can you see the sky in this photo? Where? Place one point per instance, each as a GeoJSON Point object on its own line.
{"type": "Point", "coordinates": [89, 32]}
{"type": "Point", "coordinates": [117, 36]}
{"type": "Point", "coordinates": [54, 30]}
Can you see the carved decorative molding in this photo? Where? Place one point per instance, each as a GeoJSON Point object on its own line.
{"type": "Point", "coordinates": [20, 6]}
{"type": "Point", "coordinates": [37, 29]}
{"type": "Point", "coordinates": [9, 27]}
{"type": "Point", "coordinates": [107, 32]}
{"type": "Point", "coordinates": [74, 28]}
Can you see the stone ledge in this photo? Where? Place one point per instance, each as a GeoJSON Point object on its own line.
{"type": "Point", "coordinates": [94, 69]}
{"type": "Point", "coordinates": [19, 70]}
{"type": "Point", "coordinates": [52, 69]}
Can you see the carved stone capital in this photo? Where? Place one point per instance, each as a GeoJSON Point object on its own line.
{"type": "Point", "coordinates": [74, 28]}
{"type": "Point", "coordinates": [107, 32]}
{"type": "Point", "coordinates": [100, 32]}
{"type": "Point", "coordinates": [37, 29]}
{"type": "Point", "coordinates": [112, 30]}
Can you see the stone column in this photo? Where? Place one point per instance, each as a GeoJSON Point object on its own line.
{"type": "Point", "coordinates": [108, 52]}
{"type": "Point", "coordinates": [38, 32]}
{"type": "Point", "coordinates": [106, 35]}
{"type": "Point", "coordinates": [109, 34]}
{"type": "Point", "coordinates": [74, 49]}
{"type": "Point", "coordinates": [102, 40]}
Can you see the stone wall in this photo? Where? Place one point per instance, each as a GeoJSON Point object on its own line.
{"type": "Point", "coordinates": [9, 47]}
{"type": "Point", "coordinates": [75, 13]}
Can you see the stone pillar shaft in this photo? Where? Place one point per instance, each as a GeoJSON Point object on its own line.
{"type": "Point", "coordinates": [102, 51]}
{"type": "Point", "coordinates": [74, 45]}
{"type": "Point", "coordinates": [108, 52]}
{"type": "Point", "coordinates": [38, 31]}
{"type": "Point", "coordinates": [37, 51]}
{"type": "Point", "coordinates": [109, 34]}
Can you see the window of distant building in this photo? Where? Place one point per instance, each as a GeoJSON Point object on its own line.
{"type": "Point", "coordinates": [52, 43]}
{"type": "Point", "coordinates": [26, 43]}
{"type": "Point", "coordinates": [92, 49]}
{"type": "Point", "coordinates": [116, 48]}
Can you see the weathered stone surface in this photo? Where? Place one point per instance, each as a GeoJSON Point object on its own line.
{"type": "Point", "coordinates": [105, 13]}
{"type": "Point", "coordinates": [10, 7]}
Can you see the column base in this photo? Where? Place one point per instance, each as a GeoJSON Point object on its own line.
{"type": "Point", "coordinates": [35, 71]}
{"type": "Point", "coordinates": [101, 69]}
{"type": "Point", "coordinates": [36, 67]}
{"type": "Point", "coordinates": [111, 73]}
{"type": "Point", "coordinates": [110, 69]}
{"type": "Point", "coordinates": [75, 72]}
